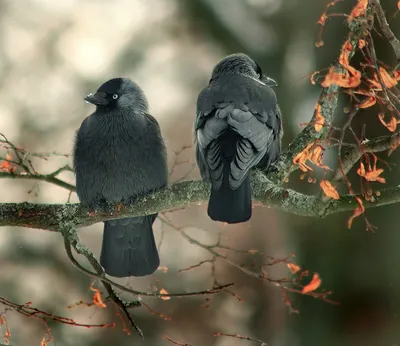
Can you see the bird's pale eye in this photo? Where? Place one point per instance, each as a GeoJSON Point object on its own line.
{"type": "Point", "coordinates": [115, 96]}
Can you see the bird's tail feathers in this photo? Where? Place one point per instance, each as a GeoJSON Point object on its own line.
{"type": "Point", "coordinates": [231, 206]}
{"type": "Point", "coordinates": [129, 247]}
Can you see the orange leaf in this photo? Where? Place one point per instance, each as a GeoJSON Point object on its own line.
{"type": "Point", "coordinates": [320, 119]}
{"type": "Point", "coordinates": [164, 291]}
{"type": "Point", "coordinates": [44, 342]}
{"type": "Point", "coordinates": [368, 102]}
{"type": "Point", "coordinates": [396, 75]}
{"type": "Point", "coordinates": [387, 79]}
{"type": "Point", "coordinates": [329, 189]}
{"type": "Point", "coordinates": [357, 212]}
{"type": "Point", "coordinates": [374, 175]}
{"type": "Point", "coordinates": [358, 10]}
{"type": "Point", "coordinates": [344, 54]}
{"type": "Point", "coordinates": [97, 300]}
{"type": "Point", "coordinates": [313, 285]}
{"type": "Point", "coordinates": [5, 165]}
{"type": "Point", "coordinates": [361, 44]}
{"type": "Point", "coordinates": [375, 85]}
{"type": "Point", "coordinates": [391, 125]}
{"type": "Point", "coordinates": [361, 170]}
{"type": "Point", "coordinates": [312, 77]}
{"type": "Point", "coordinates": [342, 80]}
{"type": "Point", "coordinates": [294, 268]}
{"type": "Point", "coordinates": [371, 174]}
{"type": "Point", "coordinates": [398, 4]}
{"type": "Point", "coordinates": [301, 158]}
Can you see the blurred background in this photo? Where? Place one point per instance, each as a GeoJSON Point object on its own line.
{"type": "Point", "coordinates": [53, 53]}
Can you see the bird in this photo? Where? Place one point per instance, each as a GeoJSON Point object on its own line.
{"type": "Point", "coordinates": [238, 126]}
{"type": "Point", "coordinates": [119, 154]}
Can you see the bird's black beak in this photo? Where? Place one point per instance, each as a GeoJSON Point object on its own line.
{"type": "Point", "coordinates": [98, 99]}
{"type": "Point", "coordinates": [269, 81]}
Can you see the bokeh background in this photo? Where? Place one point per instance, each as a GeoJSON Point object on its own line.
{"type": "Point", "coordinates": [53, 53]}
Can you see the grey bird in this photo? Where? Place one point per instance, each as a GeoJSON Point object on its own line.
{"type": "Point", "coordinates": [238, 126]}
{"type": "Point", "coordinates": [119, 154]}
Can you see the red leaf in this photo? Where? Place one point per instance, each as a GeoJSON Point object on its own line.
{"type": "Point", "coordinates": [329, 189]}
{"type": "Point", "coordinates": [368, 102]}
{"type": "Point", "coordinates": [294, 268]}
{"type": "Point", "coordinates": [358, 10]}
{"type": "Point", "coordinates": [313, 285]}
{"type": "Point", "coordinates": [357, 212]}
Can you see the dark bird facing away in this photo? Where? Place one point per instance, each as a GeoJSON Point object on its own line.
{"type": "Point", "coordinates": [238, 127]}
{"type": "Point", "coordinates": [119, 154]}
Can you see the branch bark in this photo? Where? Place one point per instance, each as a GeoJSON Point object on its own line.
{"type": "Point", "coordinates": [49, 216]}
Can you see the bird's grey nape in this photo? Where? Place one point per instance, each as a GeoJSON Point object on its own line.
{"type": "Point", "coordinates": [236, 64]}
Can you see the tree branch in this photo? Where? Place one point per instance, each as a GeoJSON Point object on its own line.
{"type": "Point", "coordinates": [390, 36]}
{"type": "Point", "coordinates": [328, 101]}
{"type": "Point", "coordinates": [48, 216]}
{"type": "Point", "coordinates": [367, 146]}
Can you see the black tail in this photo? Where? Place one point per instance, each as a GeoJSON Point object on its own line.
{"type": "Point", "coordinates": [129, 248]}
{"type": "Point", "coordinates": [231, 206]}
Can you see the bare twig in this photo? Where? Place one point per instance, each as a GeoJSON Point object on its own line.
{"type": "Point", "coordinates": [175, 342]}
{"type": "Point", "coordinates": [69, 234]}
{"type": "Point", "coordinates": [242, 337]}
{"type": "Point", "coordinates": [49, 178]}
{"type": "Point", "coordinates": [87, 253]}
{"type": "Point", "coordinates": [30, 311]}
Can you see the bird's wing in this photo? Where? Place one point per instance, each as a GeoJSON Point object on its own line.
{"type": "Point", "coordinates": [247, 107]}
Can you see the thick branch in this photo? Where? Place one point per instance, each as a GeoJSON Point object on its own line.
{"type": "Point", "coordinates": [384, 25]}
{"type": "Point", "coordinates": [368, 146]}
{"type": "Point", "coordinates": [328, 101]}
{"type": "Point", "coordinates": [48, 216]}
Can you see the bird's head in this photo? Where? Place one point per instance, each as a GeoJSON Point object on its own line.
{"type": "Point", "coordinates": [119, 93]}
{"type": "Point", "coordinates": [241, 64]}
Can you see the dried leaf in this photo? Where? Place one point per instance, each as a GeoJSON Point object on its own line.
{"type": "Point", "coordinates": [375, 85]}
{"type": "Point", "coordinates": [312, 80]}
{"type": "Point", "coordinates": [391, 125]}
{"type": "Point", "coordinates": [329, 189]}
{"type": "Point", "coordinates": [343, 80]}
{"type": "Point", "coordinates": [358, 10]}
{"type": "Point", "coordinates": [361, 44]}
{"type": "Point", "coordinates": [313, 285]}
{"type": "Point", "coordinates": [44, 342]}
{"type": "Point", "coordinates": [5, 165]}
{"type": "Point", "coordinates": [361, 170]}
{"type": "Point", "coordinates": [97, 300]}
{"type": "Point", "coordinates": [357, 212]}
{"type": "Point", "coordinates": [294, 268]}
{"type": "Point", "coordinates": [368, 102]}
{"type": "Point", "coordinates": [371, 174]}
{"type": "Point", "coordinates": [320, 119]}
{"type": "Point", "coordinates": [344, 54]}
{"type": "Point", "coordinates": [301, 158]}
{"type": "Point", "coordinates": [164, 291]}
{"type": "Point", "coordinates": [387, 79]}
